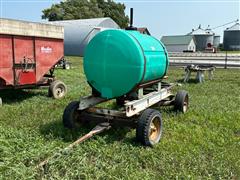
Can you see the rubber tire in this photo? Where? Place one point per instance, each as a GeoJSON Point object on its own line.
{"type": "Point", "coordinates": [66, 66]}
{"type": "Point", "coordinates": [143, 126]}
{"type": "Point", "coordinates": [180, 98]}
{"type": "Point", "coordinates": [52, 91]}
{"type": "Point", "coordinates": [71, 116]}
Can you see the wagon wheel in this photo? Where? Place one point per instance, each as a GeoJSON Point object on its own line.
{"type": "Point", "coordinates": [66, 66]}
{"type": "Point", "coordinates": [149, 127]}
{"type": "Point", "coordinates": [181, 101]}
{"type": "Point", "coordinates": [57, 89]}
{"type": "Point", "coordinates": [72, 116]}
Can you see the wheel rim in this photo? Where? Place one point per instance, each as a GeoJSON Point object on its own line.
{"type": "Point", "coordinates": [155, 129]}
{"type": "Point", "coordinates": [185, 104]}
{"type": "Point", "coordinates": [60, 91]}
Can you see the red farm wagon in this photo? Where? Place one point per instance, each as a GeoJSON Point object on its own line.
{"type": "Point", "coordinates": [28, 54]}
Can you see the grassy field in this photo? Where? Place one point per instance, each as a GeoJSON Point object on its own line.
{"type": "Point", "coordinates": [203, 143]}
{"type": "Point", "coordinates": [230, 52]}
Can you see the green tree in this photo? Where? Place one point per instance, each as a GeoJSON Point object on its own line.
{"type": "Point", "coordinates": [115, 11]}
{"type": "Point", "coordinates": [73, 9]}
{"type": "Point", "coordinates": [84, 9]}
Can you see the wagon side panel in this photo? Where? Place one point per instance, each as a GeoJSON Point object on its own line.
{"type": "Point", "coordinates": [6, 61]}
{"type": "Point", "coordinates": [24, 60]}
{"type": "Point", "coordinates": [48, 53]}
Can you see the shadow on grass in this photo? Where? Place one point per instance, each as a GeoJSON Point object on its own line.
{"type": "Point", "coordinates": [166, 110]}
{"type": "Point", "coordinates": [56, 130]}
{"type": "Point", "coordinates": [190, 81]}
{"type": "Point", "coordinates": [118, 131]}
{"type": "Point", "coordinates": [119, 134]}
{"type": "Point", "coordinates": [10, 96]}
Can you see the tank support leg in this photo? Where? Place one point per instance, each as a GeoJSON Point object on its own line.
{"type": "Point", "coordinates": [159, 86]}
{"type": "Point", "coordinates": [140, 93]}
{"type": "Point", "coordinates": [187, 76]}
{"type": "Point", "coordinates": [210, 74]}
{"type": "Point", "coordinates": [200, 76]}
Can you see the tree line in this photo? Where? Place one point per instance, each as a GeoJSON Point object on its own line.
{"type": "Point", "coordinates": [85, 9]}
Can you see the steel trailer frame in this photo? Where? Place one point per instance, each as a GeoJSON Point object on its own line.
{"type": "Point", "coordinates": [132, 113]}
{"type": "Point", "coordinates": [130, 108]}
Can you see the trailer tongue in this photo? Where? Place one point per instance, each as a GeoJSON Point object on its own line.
{"type": "Point", "coordinates": [96, 130]}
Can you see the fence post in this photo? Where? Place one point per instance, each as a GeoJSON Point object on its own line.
{"type": "Point", "coordinates": [225, 66]}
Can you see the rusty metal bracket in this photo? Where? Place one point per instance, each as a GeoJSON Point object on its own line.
{"type": "Point", "coordinates": [89, 101]}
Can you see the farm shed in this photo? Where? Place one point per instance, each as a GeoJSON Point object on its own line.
{"type": "Point", "coordinates": [143, 30]}
{"type": "Point", "coordinates": [216, 41]}
{"type": "Point", "coordinates": [77, 33]}
{"type": "Point", "coordinates": [231, 39]}
{"type": "Point", "coordinates": [179, 43]}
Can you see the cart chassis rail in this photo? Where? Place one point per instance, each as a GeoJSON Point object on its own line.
{"type": "Point", "coordinates": [136, 106]}
{"type": "Point", "coordinates": [130, 108]}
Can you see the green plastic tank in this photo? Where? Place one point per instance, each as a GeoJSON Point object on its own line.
{"type": "Point", "coordinates": [116, 61]}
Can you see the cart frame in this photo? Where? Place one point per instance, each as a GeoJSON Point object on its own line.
{"type": "Point", "coordinates": [130, 108]}
{"type": "Point", "coordinates": [134, 113]}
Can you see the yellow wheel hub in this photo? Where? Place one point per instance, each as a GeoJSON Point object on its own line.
{"type": "Point", "coordinates": [154, 129]}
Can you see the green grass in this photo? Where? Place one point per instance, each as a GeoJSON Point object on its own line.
{"type": "Point", "coordinates": [231, 52]}
{"type": "Point", "coordinates": [203, 143]}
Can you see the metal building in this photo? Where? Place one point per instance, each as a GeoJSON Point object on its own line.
{"type": "Point", "coordinates": [216, 41]}
{"type": "Point", "coordinates": [143, 30]}
{"type": "Point", "coordinates": [203, 38]}
{"type": "Point", "coordinates": [231, 38]}
{"type": "Point", "coordinates": [216, 38]}
{"type": "Point", "coordinates": [77, 33]}
{"type": "Point", "coordinates": [179, 43]}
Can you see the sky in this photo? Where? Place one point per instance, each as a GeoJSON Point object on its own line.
{"type": "Point", "coordinates": [161, 17]}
